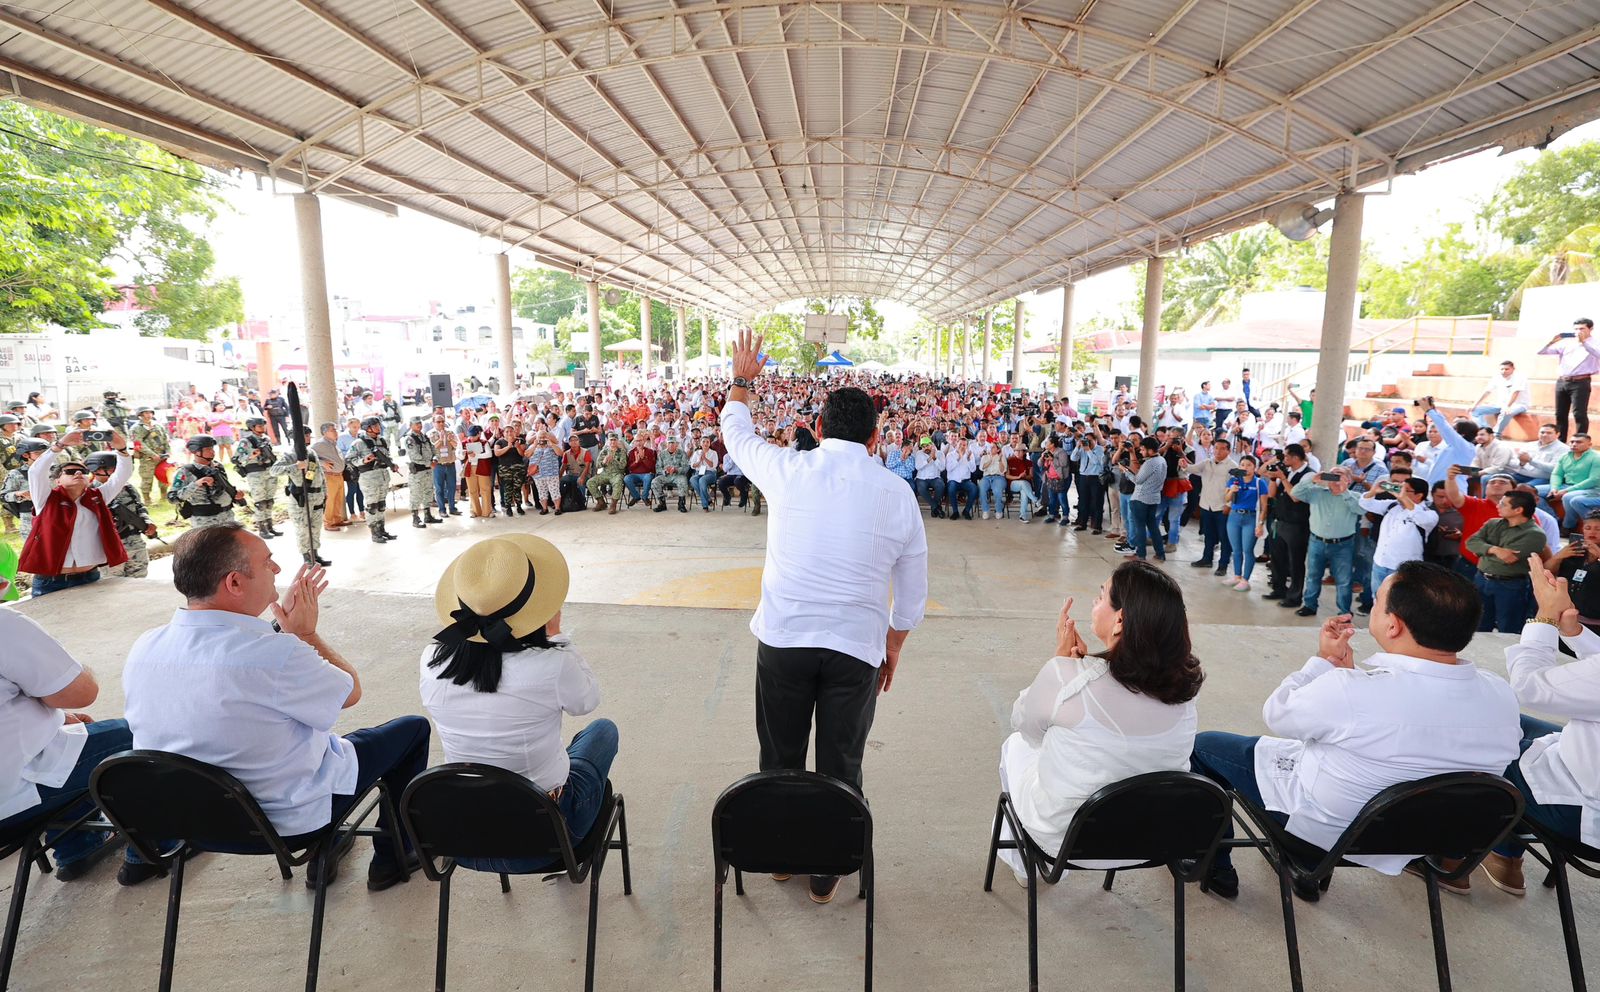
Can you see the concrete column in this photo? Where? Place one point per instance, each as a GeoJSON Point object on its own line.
{"type": "Point", "coordinates": [314, 298]}
{"type": "Point", "coordinates": [988, 341]}
{"type": "Point", "coordinates": [1338, 316]}
{"type": "Point", "coordinates": [1016, 343]}
{"type": "Point", "coordinates": [645, 333]}
{"type": "Point", "coordinates": [705, 335]}
{"type": "Point", "coordinates": [722, 340]}
{"type": "Point", "coordinates": [596, 361]}
{"type": "Point", "coordinates": [1154, 278]}
{"type": "Point", "coordinates": [681, 354]}
{"type": "Point", "coordinates": [502, 299]}
{"type": "Point", "coordinates": [966, 347]}
{"type": "Point", "coordinates": [1063, 375]}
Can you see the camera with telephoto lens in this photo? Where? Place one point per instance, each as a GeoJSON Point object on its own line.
{"type": "Point", "coordinates": [1278, 467]}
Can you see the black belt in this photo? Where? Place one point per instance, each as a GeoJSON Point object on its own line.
{"type": "Point", "coordinates": [1502, 578]}
{"type": "Point", "coordinates": [1575, 378]}
{"type": "Point", "coordinates": [420, 468]}
{"type": "Point", "coordinates": [1239, 509]}
{"type": "Point", "coordinates": [1332, 540]}
{"type": "Point", "coordinates": [206, 509]}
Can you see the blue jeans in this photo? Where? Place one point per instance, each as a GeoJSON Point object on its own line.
{"type": "Point", "coordinates": [1056, 503]}
{"type": "Point", "coordinates": [1143, 526]}
{"type": "Point", "coordinates": [1126, 502]}
{"type": "Point", "coordinates": [701, 483]}
{"type": "Point", "coordinates": [591, 753]}
{"type": "Point", "coordinates": [1214, 526]}
{"type": "Point", "coordinates": [1242, 539]}
{"type": "Point", "coordinates": [1576, 504]}
{"type": "Point", "coordinates": [1505, 603]}
{"type": "Point", "coordinates": [638, 484]}
{"type": "Point", "coordinates": [965, 492]}
{"type": "Point", "coordinates": [444, 488]}
{"type": "Point", "coordinates": [1566, 821]}
{"type": "Point", "coordinates": [1361, 566]}
{"type": "Point", "coordinates": [1025, 488]}
{"type": "Point", "coordinates": [1379, 573]}
{"type": "Point", "coordinates": [1171, 512]}
{"type": "Point", "coordinates": [992, 494]}
{"type": "Point", "coordinates": [46, 584]}
{"type": "Point", "coordinates": [1493, 416]}
{"type": "Point", "coordinates": [353, 500]}
{"type": "Point", "coordinates": [933, 489]}
{"type": "Point", "coordinates": [1337, 560]}
{"type": "Point", "coordinates": [1230, 761]}
{"type": "Point", "coordinates": [71, 799]}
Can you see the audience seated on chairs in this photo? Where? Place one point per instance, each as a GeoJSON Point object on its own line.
{"type": "Point", "coordinates": [501, 674]}
{"type": "Point", "coordinates": [1090, 720]}
{"type": "Point", "coordinates": [219, 684]}
{"type": "Point", "coordinates": [48, 752]}
{"type": "Point", "coordinates": [1413, 710]}
{"type": "Point", "coordinates": [1559, 771]}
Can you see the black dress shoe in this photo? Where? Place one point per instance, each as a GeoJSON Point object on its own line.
{"type": "Point", "coordinates": [135, 874]}
{"type": "Point", "coordinates": [1223, 881]}
{"type": "Point", "coordinates": [385, 875]}
{"type": "Point", "coordinates": [321, 561]}
{"type": "Point", "coordinates": [1203, 563]}
{"type": "Point", "coordinates": [1221, 569]}
{"type": "Point", "coordinates": [1363, 609]}
{"type": "Point", "coordinates": [109, 843]}
{"type": "Point", "coordinates": [823, 887]}
{"type": "Point", "coordinates": [1303, 612]}
{"type": "Point", "coordinates": [1271, 594]}
{"type": "Point", "coordinates": [1290, 603]}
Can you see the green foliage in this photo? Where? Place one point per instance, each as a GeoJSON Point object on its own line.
{"type": "Point", "coordinates": [545, 295]}
{"type": "Point", "coordinates": [1451, 276]}
{"type": "Point", "coordinates": [74, 200]}
{"type": "Point", "coordinates": [547, 359]}
{"type": "Point", "coordinates": [1548, 198]}
{"type": "Point", "coordinates": [866, 323]}
{"type": "Point", "coordinates": [1572, 260]}
{"type": "Point", "coordinates": [784, 338]}
{"type": "Point", "coordinates": [1206, 284]}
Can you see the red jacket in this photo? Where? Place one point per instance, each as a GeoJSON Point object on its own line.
{"type": "Point", "coordinates": [47, 543]}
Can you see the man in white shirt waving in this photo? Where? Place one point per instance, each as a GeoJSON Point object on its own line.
{"type": "Point", "coordinates": [1413, 710]}
{"type": "Point", "coordinates": [844, 532]}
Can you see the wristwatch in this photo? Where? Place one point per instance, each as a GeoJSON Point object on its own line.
{"type": "Point", "coordinates": [741, 382]}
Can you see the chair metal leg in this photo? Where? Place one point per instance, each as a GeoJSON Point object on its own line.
{"type": "Point", "coordinates": [716, 937]}
{"type": "Point", "coordinates": [505, 882]}
{"type": "Point", "coordinates": [169, 940]}
{"type": "Point", "coordinates": [1569, 925]}
{"type": "Point", "coordinates": [19, 892]}
{"type": "Point", "coordinates": [1033, 926]}
{"type": "Point", "coordinates": [1291, 940]}
{"type": "Point", "coordinates": [1177, 929]}
{"type": "Point", "coordinates": [1110, 877]}
{"type": "Point", "coordinates": [870, 890]}
{"type": "Point", "coordinates": [324, 862]}
{"type": "Point", "coordinates": [442, 951]}
{"type": "Point", "coordinates": [994, 844]}
{"type": "Point", "coordinates": [622, 835]}
{"type": "Point", "coordinates": [1441, 958]}
{"type": "Point", "coordinates": [738, 882]}
{"type": "Point", "coordinates": [594, 923]}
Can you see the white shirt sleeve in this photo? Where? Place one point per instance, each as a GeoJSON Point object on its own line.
{"type": "Point", "coordinates": [309, 689]}
{"type": "Point", "coordinates": [34, 661]}
{"type": "Point", "coordinates": [762, 462]}
{"type": "Point", "coordinates": [909, 579]}
{"type": "Point", "coordinates": [1307, 706]}
{"type": "Point", "coordinates": [39, 478]}
{"type": "Point", "coordinates": [577, 689]}
{"type": "Point", "coordinates": [1542, 682]}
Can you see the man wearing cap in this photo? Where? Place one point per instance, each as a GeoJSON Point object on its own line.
{"type": "Point", "coordinates": [611, 466]}
{"type": "Point", "coordinates": [73, 532]}
{"type": "Point", "coordinates": [201, 489]}
{"type": "Point", "coordinates": [10, 434]}
{"type": "Point", "coordinates": [372, 459]}
{"type": "Point", "coordinates": [220, 683]}
{"type": "Point", "coordinates": [307, 486]}
{"type": "Point", "coordinates": [15, 495]}
{"type": "Point", "coordinates": [253, 457]}
{"type": "Point", "coordinates": [151, 444]}
{"type": "Point", "coordinates": [672, 475]}
{"type": "Point", "coordinates": [420, 457]}
{"type": "Point", "coordinates": [930, 475]}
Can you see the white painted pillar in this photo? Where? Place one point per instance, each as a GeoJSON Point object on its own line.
{"type": "Point", "coordinates": [966, 347]}
{"type": "Point", "coordinates": [1338, 318]}
{"type": "Point", "coordinates": [722, 340]}
{"type": "Point", "coordinates": [314, 299]}
{"type": "Point", "coordinates": [1064, 374]}
{"type": "Point", "coordinates": [645, 333]}
{"type": "Point", "coordinates": [502, 299]}
{"type": "Point", "coordinates": [1017, 338]}
{"type": "Point", "coordinates": [705, 337]}
{"type": "Point", "coordinates": [681, 355]}
{"type": "Point", "coordinates": [596, 362]}
{"type": "Point", "coordinates": [1154, 278]}
{"type": "Point", "coordinates": [988, 341]}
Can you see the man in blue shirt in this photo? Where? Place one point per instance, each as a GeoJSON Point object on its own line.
{"type": "Point", "coordinates": [1205, 406]}
{"type": "Point", "coordinates": [1335, 517]}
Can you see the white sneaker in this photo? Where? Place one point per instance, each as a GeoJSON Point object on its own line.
{"type": "Point", "coordinates": [987, 515]}
{"type": "Point", "coordinates": [1242, 585]}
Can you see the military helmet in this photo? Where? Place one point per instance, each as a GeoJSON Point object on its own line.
{"type": "Point", "coordinates": [40, 429]}
{"type": "Point", "coordinates": [100, 461]}
{"type": "Point", "coordinates": [15, 405]}
{"type": "Point", "coordinates": [31, 446]}
{"type": "Point", "coordinates": [83, 415]}
{"type": "Point", "coordinates": [6, 418]}
{"type": "Point", "coordinates": [251, 423]}
{"type": "Point", "coordinates": [200, 442]}
{"type": "Point", "coordinates": [371, 422]}
{"type": "Point", "coordinates": [111, 394]}
{"type": "Point", "coordinates": [144, 410]}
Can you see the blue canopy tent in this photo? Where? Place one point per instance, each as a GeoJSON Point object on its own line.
{"type": "Point", "coordinates": [836, 361]}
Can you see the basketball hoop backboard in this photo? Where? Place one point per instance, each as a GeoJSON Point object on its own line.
{"type": "Point", "coordinates": [827, 329]}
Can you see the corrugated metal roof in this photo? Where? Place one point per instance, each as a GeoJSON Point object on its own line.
{"type": "Point", "coordinates": [735, 154]}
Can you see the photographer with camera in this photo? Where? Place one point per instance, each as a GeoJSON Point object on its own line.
{"type": "Point", "coordinates": [73, 531]}
{"type": "Point", "coordinates": [1214, 472]}
{"type": "Point", "coordinates": [1405, 522]}
{"type": "Point", "coordinates": [1289, 527]}
{"type": "Point", "coordinates": [1148, 473]}
{"type": "Point", "coordinates": [1335, 519]}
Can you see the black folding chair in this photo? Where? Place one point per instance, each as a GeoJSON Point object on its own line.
{"type": "Point", "coordinates": [27, 840]}
{"type": "Point", "coordinates": [795, 823]}
{"type": "Point", "coordinates": [1161, 819]}
{"type": "Point", "coordinates": [466, 811]}
{"type": "Point", "coordinates": [1461, 815]}
{"type": "Point", "coordinates": [155, 798]}
{"type": "Point", "coordinates": [1560, 852]}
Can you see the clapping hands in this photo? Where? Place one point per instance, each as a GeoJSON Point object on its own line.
{"type": "Point", "coordinates": [1069, 643]}
{"type": "Point", "coordinates": [1333, 645]}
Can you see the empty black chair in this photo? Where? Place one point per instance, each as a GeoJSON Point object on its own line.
{"type": "Point", "coordinates": [27, 841]}
{"type": "Point", "coordinates": [791, 823]}
{"type": "Point", "coordinates": [467, 811]}
{"type": "Point", "coordinates": [1459, 815]}
{"type": "Point", "coordinates": [1160, 818]}
{"type": "Point", "coordinates": [156, 798]}
{"type": "Point", "coordinates": [1559, 853]}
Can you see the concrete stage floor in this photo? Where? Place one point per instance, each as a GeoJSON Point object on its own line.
{"type": "Point", "coordinates": [660, 605]}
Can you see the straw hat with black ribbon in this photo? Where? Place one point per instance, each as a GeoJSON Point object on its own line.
{"type": "Point", "coordinates": [495, 594]}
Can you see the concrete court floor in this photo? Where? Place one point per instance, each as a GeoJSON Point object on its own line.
{"type": "Point", "coordinates": [660, 606]}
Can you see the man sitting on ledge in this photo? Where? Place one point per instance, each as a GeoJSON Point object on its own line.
{"type": "Point", "coordinates": [1413, 710]}
{"type": "Point", "coordinates": [218, 684]}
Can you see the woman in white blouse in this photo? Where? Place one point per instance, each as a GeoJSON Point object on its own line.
{"type": "Point", "coordinates": [1089, 720]}
{"type": "Point", "coordinates": [498, 678]}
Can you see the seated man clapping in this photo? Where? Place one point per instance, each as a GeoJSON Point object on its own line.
{"type": "Point", "coordinates": [1413, 710]}
{"type": "Point", "coordinates": [1558, 771]}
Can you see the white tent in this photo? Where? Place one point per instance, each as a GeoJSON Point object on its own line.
{"type": "Point", "coordinates": [906, 366]}
{"type": "Point", "coordinates": [871, 366]}
{"type": "Point", "coordinates": [632, 344]}
{"type": "Point", "coordinates": [704, 364]}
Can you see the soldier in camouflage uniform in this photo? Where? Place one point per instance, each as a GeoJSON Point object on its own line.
{"type": "Point", "coordinates": [371, 458]}
{"type": "Point", "coordinates": [201, 489]}
{"type": "Point", "coordinates": [14, 492]}
{"type": "Point", "coordinates": [306, 483]}
{"type": "Point", "coordinates": [419, 455]}
{"type": "Point", "coordinates": [151, 444]}
{"type": "Point", "coordinates": [113, 412]}
{"type": "Point", "coordinates": [253, 457]}
{"type": "Point", "coordinates": [10, 435]}
{"type": "Point", "coordinates": [511, 468]}
{"type": "Point", "coordinates": [128, 510]}
{"type": "Point", "coordinates": [83, 420]}
{"type": "Point", "coordinates": [610, 466]}
{"type": "Point", "coordinates": [672, 472]}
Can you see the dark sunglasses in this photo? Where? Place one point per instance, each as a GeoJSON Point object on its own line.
{"type": "Point", "coordinates": [74, 471]}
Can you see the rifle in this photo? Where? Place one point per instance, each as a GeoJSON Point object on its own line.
{"type": "Point", "coordinates": [297, 429]}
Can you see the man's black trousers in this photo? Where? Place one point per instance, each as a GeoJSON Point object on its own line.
{"type": "Point", "coordinates": [791, 684]}
{"type": "Point", "coordinates": [1289, 548]}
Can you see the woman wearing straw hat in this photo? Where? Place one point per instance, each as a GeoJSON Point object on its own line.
{"type": "Point", "coordinates": [500, 674]}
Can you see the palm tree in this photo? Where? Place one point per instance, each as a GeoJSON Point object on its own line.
{"type": "Point", "coordinates": [1572, 260]}
{"type": "Point", "coordinates": [1210, 281]}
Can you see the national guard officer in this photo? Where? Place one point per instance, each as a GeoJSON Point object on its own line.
{"type": "Point", "coordinates": [113, 412]}
{"type": "Point", "coordinates": [151, 445]}
{"type": "Point", "coordinates": [672, 473]}
{"type": "Point", "coordinates": [14, 493]}
{"type": "Point", "coordinates": [128, 510]}
{"type": "Point", "coordinates": [609, 470]}
{"type": "Point", "coordinates": [83, 420]}
{"type": "Point", "coordinates": [306, 483]}
{"type": "Point", "coordinates": [420, 457]}
{"type": "Point", "coordinates": [254, 458]}
{"type": "Point", "coordinates": [511, 467]}
{"type": "Point", "coordinates": [10, 435]}
{"type": "Point", "coordinates": [201, 489]}
{"type": "Point", "coordinates": [391, 419]}
{"type": "Point", "coordinates": [372, 460]}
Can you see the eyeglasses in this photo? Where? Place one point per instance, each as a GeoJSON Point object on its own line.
{"type": "Point", "coordinates": [74, 471]}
